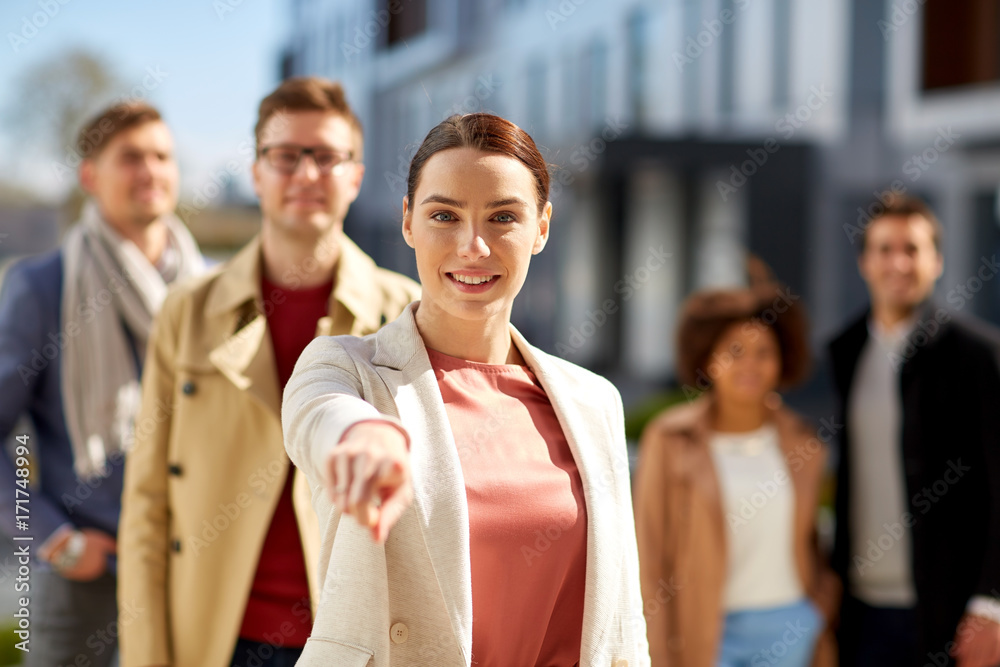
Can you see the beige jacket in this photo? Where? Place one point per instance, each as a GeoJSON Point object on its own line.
{"type": "Point", "coordinates": [208, 465]}
{"type": "Point", "coordinates": [409, 602]}
{"type": "Point", "coordinates": [681, 533]}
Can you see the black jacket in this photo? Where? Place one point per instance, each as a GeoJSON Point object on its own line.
{"type": "Point", "coordinates": [950, 457]}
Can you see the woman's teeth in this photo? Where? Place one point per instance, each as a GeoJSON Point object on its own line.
{"type": "Point", "coordinates": [471, 280]}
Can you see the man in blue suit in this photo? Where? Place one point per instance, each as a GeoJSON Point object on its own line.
{"type": "Point", "coordinates": [73, 329]}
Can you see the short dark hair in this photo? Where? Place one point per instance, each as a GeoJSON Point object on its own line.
{"type": "Point", "coordinates": [98, 132]}
{"type": "Point", "coordinates": [897, 204]}
{"type": "Point", "coordinates": [706, 315]}
{"type": "Point", "coordinates": [485, 132]}
{"type": "Point", "coordinates": [309, 93]}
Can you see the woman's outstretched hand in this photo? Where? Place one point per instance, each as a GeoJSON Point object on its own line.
{"type": "Point", "coordinates": [368, 476]}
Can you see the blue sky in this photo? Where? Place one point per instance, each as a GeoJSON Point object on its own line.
{"type": "Point", "coordinates": [215, 67]}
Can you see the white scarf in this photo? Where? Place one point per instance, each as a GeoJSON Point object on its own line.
{"type": "Point", "coordinates": [108, 285]}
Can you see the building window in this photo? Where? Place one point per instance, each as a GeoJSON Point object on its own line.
{"type": "Point", "coordinates": [782, 52]}
{"type": "Point", "coordinates": [571, 112]}
{"type": "Point", "coordinates": [727, 63]}
{"type": "Point", "coordinates": [287, 65]}
{"type": "Point", "coordinates": [409, 22]}
{"type": "Point", "coordinates": [961, 43]}
{"type": "Point", "coordinates": [596, 83]}
{"type": "Point", "coordinates": [637, 45]}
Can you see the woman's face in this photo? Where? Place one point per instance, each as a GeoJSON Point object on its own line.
{"type": "Point", "coordinates": [474, 224]}
{"type": "Point", "coordinates": [745, 365]}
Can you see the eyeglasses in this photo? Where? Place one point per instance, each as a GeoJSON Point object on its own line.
{"type": "Point", "coordinates": [285, 159]}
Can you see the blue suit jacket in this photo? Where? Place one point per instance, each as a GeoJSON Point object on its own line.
{"type": "Point", "coordinates": [31, 342]}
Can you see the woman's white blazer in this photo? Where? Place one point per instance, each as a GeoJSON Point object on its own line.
{"type": "Point", "coordinates": [409, 601]}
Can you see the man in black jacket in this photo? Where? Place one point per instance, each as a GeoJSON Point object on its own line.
{"type": "Point", "coordinates": [918, 488]}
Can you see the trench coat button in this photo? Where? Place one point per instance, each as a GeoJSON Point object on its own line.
{"type": "Point", "coordinates": [188, 388]}
{"type": "Point", "coordinates": [176, 545]}
{"type": "Point", "coordinates": [174, 469]}
{"type": "Point", "coordinates": [398, 633]}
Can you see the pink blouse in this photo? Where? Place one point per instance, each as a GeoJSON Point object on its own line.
{"type": "Point", "coordinates": [527, 517]}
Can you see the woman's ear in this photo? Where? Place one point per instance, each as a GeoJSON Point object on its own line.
{"type": "Point", "coordinates": [407, 220]}
{"type": "Point", "coordinates": [543, 229]}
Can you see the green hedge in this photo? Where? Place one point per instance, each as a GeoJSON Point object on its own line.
{"type": "Point", "coordinates": [8, 654]}
{"type": "Point", "coordinates": [639, 415]}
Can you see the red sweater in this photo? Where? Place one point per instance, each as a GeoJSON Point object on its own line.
{"type": "Point", "coordinates": [279, 599]}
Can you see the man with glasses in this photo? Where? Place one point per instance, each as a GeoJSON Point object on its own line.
{"type": "Point", "coordinates": [219, 542]}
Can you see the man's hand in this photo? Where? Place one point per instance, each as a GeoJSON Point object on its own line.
{"type": "Point", "coordinates": [977, 642]}
{"type": "Point", "coordinates": [93, 562]}
{"type": "Point", "coordinates": [368, 476]}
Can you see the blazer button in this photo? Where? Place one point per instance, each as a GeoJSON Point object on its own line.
{"type": "Point", "coordinates": [176, 545]}
{"type": "Point", "coordinates": [174, 469]}
{"type": "Point", "coordinates": [398, 633]}
{"type": "Point", "coordinates": [189, 388]}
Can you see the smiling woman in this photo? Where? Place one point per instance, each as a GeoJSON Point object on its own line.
{"type": "Point", "coordinates": [487, 481]}
{"type": "Point", "coordinates": [474, 227]}
{"type": "Point", "coordinates": [727, 491]}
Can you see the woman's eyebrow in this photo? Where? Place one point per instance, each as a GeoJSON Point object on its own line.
{"type": "Point", "coordinates": [497, 203]}
{"type": "Point", "coordinates": [441, 199]}
{"type": "Point", "coordinates": [510, 201]}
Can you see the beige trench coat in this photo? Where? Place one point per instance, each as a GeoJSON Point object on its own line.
{"type": "Point", "coordinates": [208, 466]}
{"type": "Point", "coordinates": [681, 533]}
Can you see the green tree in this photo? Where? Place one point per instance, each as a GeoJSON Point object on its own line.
{"type": "Point", "coordinates": [49, 102]}
{"type": "Point", "coordinates": [54, 97]}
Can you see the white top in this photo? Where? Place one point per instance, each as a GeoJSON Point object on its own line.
{"type": "Point", "coordinates": [758, 499]}
{"type": "Point", "coordinates": [880, 572]}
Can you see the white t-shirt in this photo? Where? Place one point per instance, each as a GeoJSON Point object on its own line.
{"type": "Point", "coordinates": [758, 499]}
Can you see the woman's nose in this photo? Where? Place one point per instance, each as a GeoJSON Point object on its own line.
{"type": "Point", "coordinates": [473, 245]}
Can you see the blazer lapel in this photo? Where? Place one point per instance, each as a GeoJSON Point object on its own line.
{"type": "Point", "coordinates": [245, 356]}
{"type": "Point", "coordinates": [594, 447]}
{"type": "Point", "coordinates": [439, 488]}
{"type": "Point", "coordinates": [699, 465]}
{"type": "Point", "coordinates": [845, 352]}
{"type": "Point", "coordinates": [352, 310]}
{"type": "Point", "coordinates": [438, 485]}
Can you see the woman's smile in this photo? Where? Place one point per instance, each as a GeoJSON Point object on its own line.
{"type": "Point", "coordinates": [473, 283]}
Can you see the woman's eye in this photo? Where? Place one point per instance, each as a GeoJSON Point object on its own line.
{"type": "Point", "coordinates": [504, 217]}
{"type": "Point", "coordinates": [443, 216]}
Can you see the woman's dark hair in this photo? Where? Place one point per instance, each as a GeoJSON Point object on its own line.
{"type": "Point", "coordinates": [485, 132]}
{"type": "Point", "coordinates": [707, 315]}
